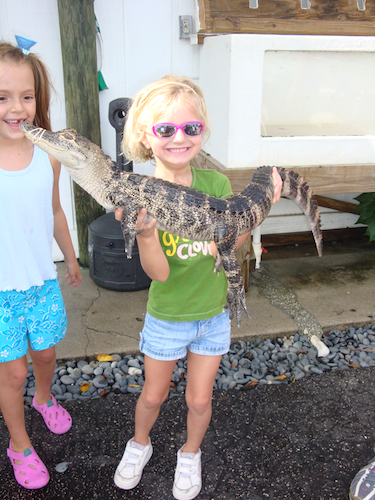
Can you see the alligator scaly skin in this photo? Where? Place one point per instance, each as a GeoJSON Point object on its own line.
{"type": "Point", "coordinates": [178, 209]}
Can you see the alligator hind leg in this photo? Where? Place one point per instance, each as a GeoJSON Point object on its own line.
{"type": "Point", "coordinates": [237, 304]}
{"type": "Point", "coordinates": [236, 301]}
{"type": "Point", "coordinates": [226, 241]}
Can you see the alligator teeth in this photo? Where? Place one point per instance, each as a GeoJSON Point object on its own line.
{"type": "Point", "coordinates": [38, 134]}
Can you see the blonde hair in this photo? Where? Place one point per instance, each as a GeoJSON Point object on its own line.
{"type": "Point", "coordinates": [150, 103]}
{"type": "Point", "coordinates": [42, 81]}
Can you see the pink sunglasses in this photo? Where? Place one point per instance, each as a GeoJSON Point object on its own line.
{"type": "Point", "coordinates": [190, 129]}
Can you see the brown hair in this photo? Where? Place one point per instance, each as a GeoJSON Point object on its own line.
{"type": "Point", "coordinates": [151, 103]}
{"type": "Point", "coordinates": [42, 81]}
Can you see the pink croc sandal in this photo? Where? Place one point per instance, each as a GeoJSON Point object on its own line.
{"type": "Point", "coordinates": [29, 471]}
{"type": "Point", "coordinates": [56, 418]}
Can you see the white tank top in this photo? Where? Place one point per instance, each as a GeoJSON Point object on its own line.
{"type": "Point", "coordinates": [26, 225]}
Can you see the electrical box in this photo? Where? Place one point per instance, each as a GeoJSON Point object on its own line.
{"type": "Point", "coordinates": [186, 26]}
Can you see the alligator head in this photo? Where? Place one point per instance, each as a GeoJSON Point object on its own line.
{"type": "Point", "coordinates": [87, 164]}
{"type": "Point", "coordinates": [67, 146]}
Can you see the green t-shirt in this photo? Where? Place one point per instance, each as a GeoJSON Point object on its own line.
{"type": "Point", "coordinates": [192, 291]}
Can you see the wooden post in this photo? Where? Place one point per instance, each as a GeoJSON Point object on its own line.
{"type": "Point", "coordinates": [78, 46]}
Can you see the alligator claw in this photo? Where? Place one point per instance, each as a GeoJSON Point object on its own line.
{"type": "Point", "coordinates": [218, 267]}
{"type": "Point", "coordinates": [129, 237]}
{"type": "Point", "coordinates": [237, 305]}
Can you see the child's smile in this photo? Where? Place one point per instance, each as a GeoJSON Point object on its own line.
{"type": "Point", "coordinates": [14, 124]}
{"type": "Point", "coordinates": [177, 150]}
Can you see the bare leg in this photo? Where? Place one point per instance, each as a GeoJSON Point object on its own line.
{"type": "Point", "coordinates": [202, 371]}
{"type": "Point", "coordinates": [44, 363]}
{"type": "Point", "coordinates": [12, 380]}
{"type": "Point", "coordinates": [158, 376]}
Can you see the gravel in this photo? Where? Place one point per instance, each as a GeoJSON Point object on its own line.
{"type": "Point", "coordinates": [247, 364]}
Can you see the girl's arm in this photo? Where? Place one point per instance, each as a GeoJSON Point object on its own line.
{"type": "Point", "coordinates": [61, 230]}
{"type": "Point", "coordinates": [152, 257]}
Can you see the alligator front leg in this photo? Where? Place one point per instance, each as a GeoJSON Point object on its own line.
{"type": "Point", "coordinates": [129, 236]}
{"type": "Point", "coordinates": [128, 220]}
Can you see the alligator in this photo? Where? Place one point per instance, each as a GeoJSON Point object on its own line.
{"type": "Point", "coordinates": [180, 210]}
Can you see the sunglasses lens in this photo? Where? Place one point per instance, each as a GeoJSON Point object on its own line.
{"type": "Point", "coordinates": [164, 130]}
{"type": "Point", "coordinates": [193, 128]}
{"type": "Point", "coordinates": [168, 129]}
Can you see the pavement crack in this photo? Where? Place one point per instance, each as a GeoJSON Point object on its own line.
{"type": "Point", "coordinates": [110, 332]}
{"type": "Point", "coordinates": [87, 328]}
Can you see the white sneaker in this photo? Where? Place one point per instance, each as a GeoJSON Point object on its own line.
{"type": "Point", "coordinates": [129, 470]}
{"type": "Point", "coordinates": [187, 477]}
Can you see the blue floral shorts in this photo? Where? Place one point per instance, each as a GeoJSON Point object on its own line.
{"type": "Point", "coordinates": [36, 316]}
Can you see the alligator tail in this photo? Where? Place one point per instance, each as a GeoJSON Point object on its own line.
{"type": "Point", "coordinates": [296, 189]}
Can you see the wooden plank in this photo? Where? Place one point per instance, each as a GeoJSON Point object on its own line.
{"type": "Point", "coordinates": [328, 17]}
{"type": "Point", "coordinates": [327, 179]}
{"type": "Point", "coordinates": [324, 179]}
{"type": "Point", "coordinates": [272, 240]}
{"type": "Point", "coordinates": [202, 10]}
{"type": "Point", "coordinates": [292, 27]}
{"type": "Point", "coordinates": [341, 10]}
{"type": "Point", "coordinates": [78, 45]}
{"type": "Point", "coordinates": [341, 206]}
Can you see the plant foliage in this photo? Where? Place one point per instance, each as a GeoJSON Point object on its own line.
{"type": "Point", "coordinates": [366, 211]}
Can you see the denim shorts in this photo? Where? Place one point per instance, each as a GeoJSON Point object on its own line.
{"type": "Point", "coordinates": [169, 340]}
{"type": "Point", "coordinates": [36, 316]}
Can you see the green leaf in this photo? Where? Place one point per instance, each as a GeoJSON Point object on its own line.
{"type": "Point", "coordinates": [370, 231]}
{"type": "Point", "coordinates": [365, 198]}
{"type": "Point", "coordinates": [366, 204]}
{"type": "Point", "coordinates": [366, 209]}
{"type": "Point", "coordinates": [366, 212]}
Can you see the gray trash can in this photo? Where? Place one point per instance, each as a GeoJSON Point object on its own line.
{"type": "Point", "coordinates": [108, 263]}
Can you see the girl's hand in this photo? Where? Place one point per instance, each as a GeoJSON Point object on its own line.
{"type": "Point", "coordinates": [73, 274]}
{"type": "Point", "coordinates": [146, 228]}
{"type": "Point", "coordinates": [277, 185]}
{"type": "Point", "coordinates": [140, 225]}
{"type": "Point", "coordinates": [152, 257]}
{"type": "Point", "coordinates": [118, 214]}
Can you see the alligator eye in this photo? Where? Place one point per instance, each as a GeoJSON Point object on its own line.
{"type": "Point", "coordinates": [69, 136]}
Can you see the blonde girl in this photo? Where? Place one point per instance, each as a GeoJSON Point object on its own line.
{"type": "Point", "coordinates": [167, 124]}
